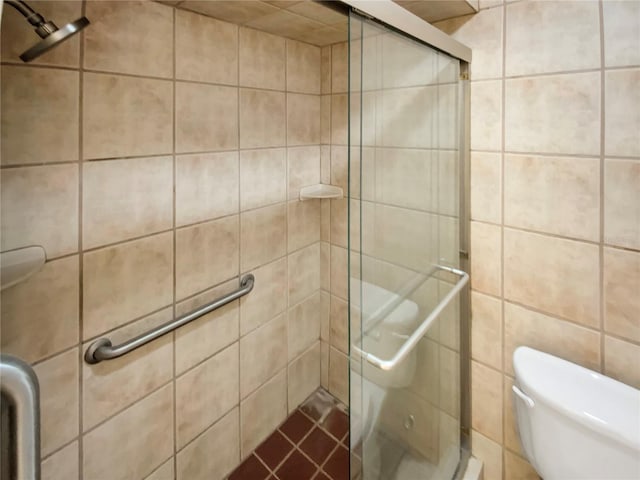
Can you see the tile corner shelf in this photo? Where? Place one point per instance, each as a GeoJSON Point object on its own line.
{"type": "Point", "coordinates": [320, 190]}
{"type": "Point", "coordinates": [19, 264]}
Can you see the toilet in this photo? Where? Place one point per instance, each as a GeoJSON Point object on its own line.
{"type": "Point", "coordinates": [574, 423]}
{"type": "Point", "coordinates": [385, 333]}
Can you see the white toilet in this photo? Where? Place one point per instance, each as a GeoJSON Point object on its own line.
{"type": "Point", "coordinates": [574, 423]}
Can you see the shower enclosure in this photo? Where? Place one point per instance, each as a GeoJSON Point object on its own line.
{"type": "Point", "coordinates": [406, 237]}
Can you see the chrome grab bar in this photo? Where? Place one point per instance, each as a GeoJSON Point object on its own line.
{"type": "Point", "coordinates": [417, 335]}
{"type": "Point", "coordinates": [20, 390]}
{"type": "Point", "coordinates": [102, 349]}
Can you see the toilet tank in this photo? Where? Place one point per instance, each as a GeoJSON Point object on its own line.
{"type": "Point", "coordinates": [574, 422]}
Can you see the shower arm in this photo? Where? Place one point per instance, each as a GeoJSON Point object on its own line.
{"type": "Point", "coordinates": [42, 27]}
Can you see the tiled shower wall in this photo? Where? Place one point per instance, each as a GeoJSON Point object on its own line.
{"type": "Point", "coordinates": [555, 199]}
{"type": "Point", "coordinates": [157, 157]}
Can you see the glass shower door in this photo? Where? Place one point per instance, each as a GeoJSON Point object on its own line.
{"type": "Point", "coordinates": [404, 256]}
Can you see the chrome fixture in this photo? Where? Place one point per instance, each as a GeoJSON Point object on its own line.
{"type": "Point", "coordinates": [21, 420]}
{"type": "Point", "coordinates": [102, 349]}
{"type": "Point", "coordinates": [49, 32]}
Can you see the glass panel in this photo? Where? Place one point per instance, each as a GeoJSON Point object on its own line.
{"type": "Point", "coordinates": [403, 217]}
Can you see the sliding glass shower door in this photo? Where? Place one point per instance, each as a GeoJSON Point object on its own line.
{"type": "Point", "coordinates": [404, 180]}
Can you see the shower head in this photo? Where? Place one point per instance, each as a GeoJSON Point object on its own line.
{"type": "Point", "coordinates": [49, 32]}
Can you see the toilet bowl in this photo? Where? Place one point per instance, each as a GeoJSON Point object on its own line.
{"type": "Point", "coordinates": [574, 423]}
{"type": "Point", "coordinates": [385, 330]}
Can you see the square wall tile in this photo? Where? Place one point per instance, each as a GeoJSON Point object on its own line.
{"type": "Point", "coordinates": [486, 401]}
{"type": "Point", "coordinates": [339, 375]}
{"type": "Point", "coordinates": [208, 334]}
{"type": "Point", "coordinates": [339, 324]}
{"type": "Point", "coordinates": [304, 273]}
{"type": "Point", "coordinates": [303, 67]}
{"type": "Point", "coordinates": [621, 23]}
{"type": "Point", "coordinates": [325, 70]}
{"type": "Point", "coordinates": [62, 465]}
{"type": "Point", "coordinates": [339, 119]}
{"type": "Point", "coordinates": [207, 186]}
{"type": "Point", "coordinates": [517, 467]}
{"type": "Point", "coordinates": [213, 454]}
{"type": "Point", "coordinates": [486, 115]}
{"type": "Point", "coordinates": [129, 37]}
{"type": "Point", "coordinates": [206, 254]}
{"type": "Point", "coordinates": [621, 284]}
{"type": "Point", "coordinates": [482, 32]}
{"type": "Point", "coordinates": [553, 114]}
{"type": "Point", "coordinates": [126, 281]}
{"type": "Point", "coordinates": [263, 352]}
{"type": "Point", "coordinates": [554, 275]}
{"type": "Point", "coordinates": [622, 203]}
{"type": "Point", "coordinates": [486, 258]}
{"type": "Point", "coordinates": [136, 111]}
{"type": "Point", "coordinates": [40, 315]}
{"type": "Point", "coordinates": [262, 118]}
{"type": "Point", "coordinates": [548, 334]}
{"type": "Point", "coordinates": [262, 412]}
{"type": "Point", "coordinates": [621, 120]}
{"type": "Point", "coordinates": [262, 60]}
{"type": "Point", "coordinates": [133, 443]}
{"type": "Point", "coordinates": [263, 236]}
{"type": "Point", "coordinates": [109, 387]}
{"type": "Point", "coordinates": [230, 10]}
{"type": "Point", "coordinates": [195, 37]}
{"type": "Point", "coordinates": [303, 119]}
{"type": "Point", "coordinates": [59, 385]}
{"type": "Point", "coordinates": [303, 165]}
{"type": "Point", "coordinates": [303, 219]}
{"type": "Point", "coordinates": [340, 67]}
{"type": "Point", "coordinates": [164, 471]}
{"type": "Point", "coordinates": [268, 297]}
{"type": "Point", "coordinates": [304, 376]}
{"type": "Point", "coordinates": [39, 206]}
{"type": "Point", "coordinates": [33, 101]}
{"type": "Point", "coordinates": [139, 190]}
{"type": "Point", "coordinates": [263, 177]}
{"type": "Point", "coordinates": [16, 38]}
{"type": "Point", "coordinates": [619, 356]}
{"type": "Point", "coordinates": [304, 325]}
{"type": "Point", "coordinates": [486, 329]}
{"type": "Point", "coordinates": [553, 195]}
{"type": "Point", "coordinates": [205, 393]}
{"type": "Point", "coordinates": [486, 187]}
{"type": "Point", "coordinates": [206, 117]}
{"type": "Point", "coordinates": [552, 36]}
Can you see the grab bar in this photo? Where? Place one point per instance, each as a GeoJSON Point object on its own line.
{"type": "Point", "coordinates": [19, 389]}
{"type": "Point", "coordinates": [102, 349]}
{"type": "Point", "coordinates": [417, 335]}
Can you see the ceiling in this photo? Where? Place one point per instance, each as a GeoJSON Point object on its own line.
{"type": "Point", "coordinates": [315, 22]}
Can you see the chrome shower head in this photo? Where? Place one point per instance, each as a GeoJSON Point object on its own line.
{"type": "Point", "coordinates": [49, 32]}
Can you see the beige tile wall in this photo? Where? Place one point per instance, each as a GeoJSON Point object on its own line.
{"type": "Point", "coordinates": [555, 190]}
{"type": "Point", "coordinates": [158, 157]}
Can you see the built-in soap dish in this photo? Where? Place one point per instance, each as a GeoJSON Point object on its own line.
{"type": "Point", "coordinates": [320, 190]}
{"type": "Point", "coordinates": [19, 264]}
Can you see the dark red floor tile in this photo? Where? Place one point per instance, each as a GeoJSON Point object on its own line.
{"type": "Point", "coordinates": [296, 467]}
{"type": "Point", "coordinates": [337, 467]}
{"type": "Point", "coordinates": [318, 445]}
{"type": "Point", "coordinates": [337, 423]}
{"type": "Point", "coordinates": [345, 440]}
{"type": "Point", "coordinates": [321, 476]}
{"type": "Point", "coordinates": [296, 426]}
{"type": "Point", "coordinates": [273, 450]}
{"type": "Point", "coordinates": [250, 469]}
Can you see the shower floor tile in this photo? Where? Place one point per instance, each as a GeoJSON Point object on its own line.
{"type": "Point", "coordinates": [310, 444]}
